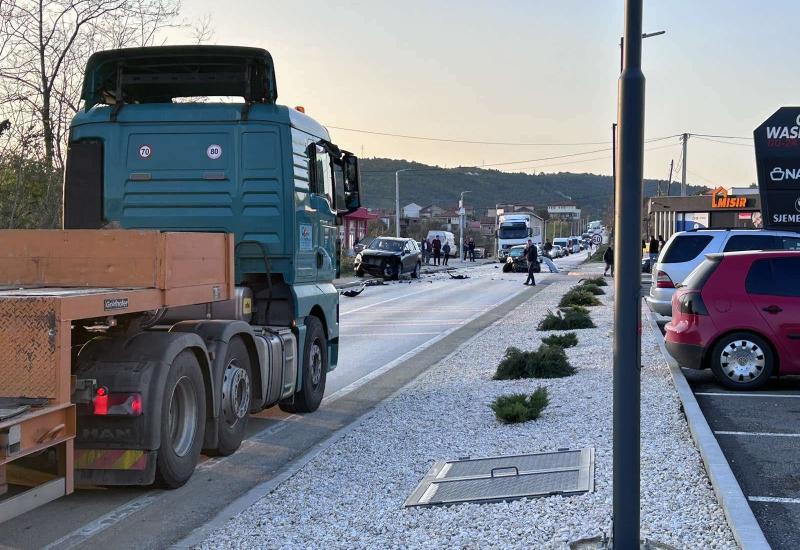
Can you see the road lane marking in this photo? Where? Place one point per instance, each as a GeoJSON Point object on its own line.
{"type": "Point", "coordinates": [779, 500]}
{"type": "Point", "coordinates": [359, 334]}
{"type": "Point", "coordinates": [349, 311]}
{"type": "Point", "coordinates": [764, 434]}
{"type": "Point", "coordinates": [731, 394]}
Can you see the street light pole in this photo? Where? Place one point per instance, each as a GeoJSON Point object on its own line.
{"type": "Point", "coordinates": [627, 287]}
{"type": "Point", "coordinates": [461, 225]}
{"type": "Point", "coordinates": [397, 201]}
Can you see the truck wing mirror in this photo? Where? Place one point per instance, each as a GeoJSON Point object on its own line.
{"type": "Point", "coordinates": [352, 182]}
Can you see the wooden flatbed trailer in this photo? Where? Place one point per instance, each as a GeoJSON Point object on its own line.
{"type": "Point", "coordinates": [49, 279]}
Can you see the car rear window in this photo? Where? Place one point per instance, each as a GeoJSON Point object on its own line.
{"type": "Point", "coordinates": [752, 242]}
{"type": "Point", "coordinates": [774, 277]}
{"type": "Point", "coordinates": [698, 277]}
{"type": "Point", "coordinates": [684, 248]}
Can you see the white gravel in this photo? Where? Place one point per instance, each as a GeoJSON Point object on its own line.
{"type": "Point", "coordinates": [351, 496]}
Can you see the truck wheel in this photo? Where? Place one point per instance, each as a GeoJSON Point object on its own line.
{"type": "Point", "coordinates": [315, 370]}
{"type": "Point", "coordinates": [183, 414]}
{"type": "Point", "coordinates": [236, 397]}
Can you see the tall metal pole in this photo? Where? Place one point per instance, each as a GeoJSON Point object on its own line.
{"type": "Point", "coordinates": [684, 139]}
{"type": "Point", "coordinates": [669, 179]}
{"type": "Point", "coordinates": [627, 286]}
{"type": "Point", "coordinates": [397, 203]}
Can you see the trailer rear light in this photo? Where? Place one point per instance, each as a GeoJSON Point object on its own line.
{"type": "Point", "coordinates": [663, 280]}
{"type": "Point", "coordinates": [691, 303]}
{"type": "Point", "coordinates": [116, 404]}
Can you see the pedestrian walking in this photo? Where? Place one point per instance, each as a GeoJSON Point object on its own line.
{"type": "Point", "coordinates": [608, 258]}
{"type": "Point", "coordinates": [653, 250]}
{"type": "Point", "coordinates": [531, 254]}
{"type": "Point", "coordinates": [471, 248]}
{"type": "Point", "coordinates": [437, 250]}
{"type": "Point", "coordinates": [446, 250]}
{"type": "Point", "coordinates": [547, 257]}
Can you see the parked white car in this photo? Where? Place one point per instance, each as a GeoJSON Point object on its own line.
{"type": "Point", "coordinates": [685, 250]}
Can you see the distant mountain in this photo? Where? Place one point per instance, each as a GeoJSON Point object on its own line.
{"type": "Point", "coordinates": [427, 185]}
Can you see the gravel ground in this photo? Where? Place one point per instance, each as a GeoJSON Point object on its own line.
{"type": "Point", "coordinates": [351, 496]}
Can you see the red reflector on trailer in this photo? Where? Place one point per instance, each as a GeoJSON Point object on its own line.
{"type": "Point", "coordinates": [118, 404]}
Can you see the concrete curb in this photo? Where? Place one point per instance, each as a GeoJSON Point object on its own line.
{"type": "Point", "coordinates": [746, 529]}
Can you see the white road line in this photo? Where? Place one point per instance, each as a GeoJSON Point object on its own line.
{"type": "Point", "coordinates": [764, 434]}
{"type": "Point", "coordinates": [368, 334]}
{"type": "Point", "coordinates": [779, 500]}
{"type": "Point", "coordinates": [79, 536]}
{"type": "Point", "coordinates": [732, 394]}
{"type": "Point", "coordinates": [349, 311]}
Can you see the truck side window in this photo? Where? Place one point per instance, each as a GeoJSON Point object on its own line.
{"type": "Point", "coordinates": [322, 182]}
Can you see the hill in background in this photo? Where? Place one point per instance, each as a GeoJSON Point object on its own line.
{"type": "Point", "coordinates": [427, 185]}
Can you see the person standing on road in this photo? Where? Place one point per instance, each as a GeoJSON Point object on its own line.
{"type": "Point", "coordinates": [531, 254]}
{"type": "Point", "coordinates": [653, 250]}
{"type": "Point", "coordinates": [446, 250]}
{"type": "Point", "coordinates": [426, 251]}
{"type": "Point", "coordinates": [471, 247]}
{"type": "Point", "coordinates": [608, 258]}
{"type": "Point", "coordinates": [437, 250]}
{"type": "Point", "coordinates": [465, 250]}
{"type": "Point", "coordinates": [547, 255]}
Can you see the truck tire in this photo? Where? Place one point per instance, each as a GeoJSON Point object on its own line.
{"type": "Point", "coordinates": [236, 397]}
{"type": "Point", "coordinates": [315, 370]}
{"type": "Point", "coordinates": [183, 414]}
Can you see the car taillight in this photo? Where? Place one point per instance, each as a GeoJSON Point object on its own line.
{"type": "Point", "coordinates": [116, 404]}
{"type": "Point", "coordinates": [663, 280]}
{"type": "Point", "coordinates": [691, 303]}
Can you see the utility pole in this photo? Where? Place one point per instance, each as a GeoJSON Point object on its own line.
{"type": "Point", "coordinates": [397, 200]}
{"type": "Point", "coordinates": [685, 140]}
{"type": "Point", "coordinates": [627, 288]}
{"type": "Point", "coordinates": [669, 179]}
{"type": "Point", "coordinates": [461, 213]}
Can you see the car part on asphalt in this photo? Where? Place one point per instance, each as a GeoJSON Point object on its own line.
{"type": "Point", "coordinates": [353, 292]}
{"type": "Point", "coordinates": [503, 478]}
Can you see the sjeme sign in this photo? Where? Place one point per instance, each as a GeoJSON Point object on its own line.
{"type": "Point", "coordinates": [777, 143]}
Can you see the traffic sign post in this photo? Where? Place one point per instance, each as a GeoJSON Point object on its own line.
{"type": "Point", "coordinates": [777, 145]}
{"type": "Point", "coordinates": [597, 239]}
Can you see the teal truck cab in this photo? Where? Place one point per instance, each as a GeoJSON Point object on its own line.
{"type": "Point", "coordinates": [159, 145]}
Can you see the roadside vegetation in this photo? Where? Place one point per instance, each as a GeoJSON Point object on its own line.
{"type": "Point", "coordinates": [562, 341]}
{"type": "Point", "coordinates": [578, 296]}
{"type": "Point", "coordinates": [593, 288]}
{"type": "Point", "coordinates": [596, 281]}
{"type": "Point", "coordinates": [598, 254]}
{"type": "Point", "coordinates": [519, 407]}
{"type": "Point", "coordinates": [567, 318]}
{"type": "Point", "coordinates": [346, 265]}
{"type": "Point", "coordinates": [545, 362]}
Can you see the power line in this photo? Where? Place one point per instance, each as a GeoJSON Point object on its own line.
{"type": "Point", "coordinates": [723, 142]}
{"type": "Point", "coordinates": [721, 137]}
{"type": "Point", "coordinates": [606, 157]}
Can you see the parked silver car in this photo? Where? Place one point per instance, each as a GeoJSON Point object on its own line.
{"type": "Point", "coordinates": [687, 249]}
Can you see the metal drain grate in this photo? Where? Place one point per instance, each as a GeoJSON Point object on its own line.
{"type": "Point", "coordinates": [494, 479]}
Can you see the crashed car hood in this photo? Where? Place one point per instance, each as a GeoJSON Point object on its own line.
{"type": "Point", "coordinates": [379, 253]}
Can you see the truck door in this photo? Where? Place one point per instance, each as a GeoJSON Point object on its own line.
{"type": "Point", "coordinates": [323, 241]}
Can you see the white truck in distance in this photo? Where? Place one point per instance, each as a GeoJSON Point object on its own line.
{"type": "Point", "coordinates": [514, 229]}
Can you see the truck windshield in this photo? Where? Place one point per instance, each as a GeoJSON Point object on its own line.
{"type": "Point", "coordinates": [513, 231]}
{"type": "Point", "coordinates": [386, 244]}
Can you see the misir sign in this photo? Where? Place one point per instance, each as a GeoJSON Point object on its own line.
{"type": "Point", "coordinates": [721, 199]}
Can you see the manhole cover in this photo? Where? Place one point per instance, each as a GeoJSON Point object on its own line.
{"type": "Point", "coordinates": [563, 472]}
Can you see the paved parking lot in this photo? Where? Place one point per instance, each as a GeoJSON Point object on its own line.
{"type": "Point", "coordinates": [759, 433]}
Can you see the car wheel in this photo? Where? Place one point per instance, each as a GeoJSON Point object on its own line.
{"type": "Point", "coordinates": [415, 273]}
{"type": "Point", "coordinates": [315, 371]}
{"type": "Point", "coordinates": [742, 361]}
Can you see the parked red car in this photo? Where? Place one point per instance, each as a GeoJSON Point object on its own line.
{"type": "Point", "coordinates": [739, 314]}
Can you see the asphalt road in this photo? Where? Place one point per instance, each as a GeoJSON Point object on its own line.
{"type": "Point", "coordinates": [759, 433]}
{"type": "Point", "coordinates": [389, 335]}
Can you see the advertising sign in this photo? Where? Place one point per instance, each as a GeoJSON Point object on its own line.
{"type": "Point", "coordinates": [777, 143]}
{"type": "Point", "coordinates": [692, 220]}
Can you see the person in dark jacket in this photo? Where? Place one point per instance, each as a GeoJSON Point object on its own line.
{"type": "Point", "coordinates": [471, 247]}
{"type": "Point", "coordinates": [608, 258]}
{"type": "Point", "coordinates": [652, 249]}
{"type": "Point", "coordinates": [446, 250]}
{"type": "Point", "coordinates": [437, 250]}
{"type": "Point", "coordinates": [531, 254]}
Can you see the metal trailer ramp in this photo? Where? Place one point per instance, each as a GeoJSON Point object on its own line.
{"type": "Point", "coordinates": [495, 479]}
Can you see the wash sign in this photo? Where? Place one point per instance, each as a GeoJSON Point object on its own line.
{"type": "Point", "coordinates": [777, 143]}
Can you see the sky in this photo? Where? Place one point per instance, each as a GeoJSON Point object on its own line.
{"type": "Point", "coordinates": [525, 72]}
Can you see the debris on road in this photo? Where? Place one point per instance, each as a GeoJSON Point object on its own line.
{"type": "Point", "coordinates": [353, 292]}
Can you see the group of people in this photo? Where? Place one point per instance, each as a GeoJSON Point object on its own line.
{"type": "Point", "coordinates": [436, 250]}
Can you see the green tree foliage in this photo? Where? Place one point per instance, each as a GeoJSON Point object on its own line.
{"type": "Point", "coordinates": [519, 407]}
{"type": "Point", "coordinates": [567, 340]}
{"type": "Point", "coordinates": [545, 362]}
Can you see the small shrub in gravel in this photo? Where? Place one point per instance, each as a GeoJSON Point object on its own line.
{"type": "Point", "coordinates": [563, 341]}
{"type": "Point", "coordinates": [545, 362]}
{"type": "Point", "coordinates": [597, 281]}
{"type": "Point", "coordinates": [578, 297]}
{"type": "Point", "coordinates": [568, 318]}
{"type": "Point", "coordinates": [594, 289]}
{"type": "Point", "coordinates": [519, 407]}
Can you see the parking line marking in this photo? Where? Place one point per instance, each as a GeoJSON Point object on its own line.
{"type": "Point", "coordinates": [732, 394]}
{"type": "Point", "coordinates": [765, 434]}
{"type": "Point", "coordinates": [779, 500]}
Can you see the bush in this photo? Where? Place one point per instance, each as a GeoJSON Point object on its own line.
{"type": "Point", "coordinates": [568, 318]}
{"type": "Point", "coordinates": [598, 254]}
{"type": "Point", "coordinates": [578, 297]}
{"type": "Point", "coordinates": [519, 407]}
{"type": "Point", "coordinates": [594, 289]}
{"type": "Point", "coordinates": [597, 281]}
{"type": "Point", "coordinates": [545, 362]}
{"type": "Point", "coordinates": [564, 341]}
{"type": "Point", "coordinates": [346, 265]}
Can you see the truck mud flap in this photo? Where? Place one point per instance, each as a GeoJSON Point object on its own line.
{"type": "Point", "coordinates": [115, 467]}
